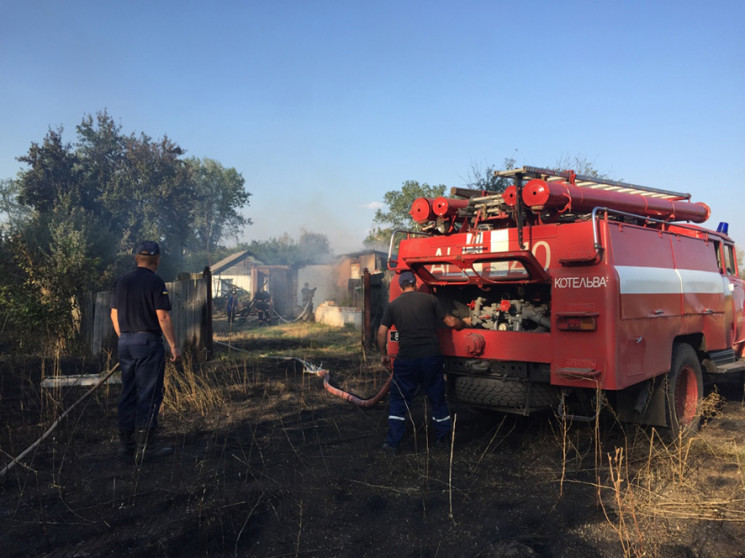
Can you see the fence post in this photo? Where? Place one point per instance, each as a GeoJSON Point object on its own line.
{"type": "Point", "coordinates": [367, 306]}
{"type": "Point", "coordinates": [103, 335]}
{"type": "Point", "coordinates": [207, 316]}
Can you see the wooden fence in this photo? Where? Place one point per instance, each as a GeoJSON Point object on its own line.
{"type": "Point", "coordinates": [191, 313]}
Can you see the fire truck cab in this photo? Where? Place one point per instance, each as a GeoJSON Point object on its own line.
{"type": "Point", "coordinates": [576, 287]}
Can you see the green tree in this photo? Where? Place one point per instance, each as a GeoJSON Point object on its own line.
{"type": "Point", "coordinates": [483, 177]}
{"type": "Point", "coordinates": [217, 195]}
{"type": "Point", "coordinates": [21, 312]}
{"type": "Point", "coordinates": [155, 198]}
{"type": "Point", "coordinates": [14, 214]}
{"type": "Point", "coordinates": [61, 255]}
{"type": "Point", "coordinates": [54, 172]}
{"type": "Point", "coordinates": [579, 164]}
{"type": "Point", "coordinates": [138, 187]}
{"type": "Point", "coordinates": [101, 149]}
{"type": "Point", "coordinates": [312, 248]}
{"type": "Point", "coordinates": [74, 214]}
{"type": "Point", "coordinates": [396, 215]}
{"type": "Point", "coordinates": [274, 251]}
{"type": "Point", "coordinates": [142, 188]}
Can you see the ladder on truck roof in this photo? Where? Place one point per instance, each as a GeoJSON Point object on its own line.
{"type": "Point", "coordinates": [594, 182]}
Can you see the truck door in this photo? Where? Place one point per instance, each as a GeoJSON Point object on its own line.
{"type": "Point", "coordinates": [705, 289]}
{"type": "Point", "coordinates": [737, 326]}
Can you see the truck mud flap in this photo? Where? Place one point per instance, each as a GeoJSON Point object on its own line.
{"type": "Point", "coordinates": [508, 395]}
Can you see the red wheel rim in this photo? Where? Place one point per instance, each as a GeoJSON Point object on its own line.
{"type": "Point", "coordinates": [686, 396]}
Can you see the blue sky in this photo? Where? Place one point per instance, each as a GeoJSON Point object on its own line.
{"type": "Point", "coordinates": [323, 106]}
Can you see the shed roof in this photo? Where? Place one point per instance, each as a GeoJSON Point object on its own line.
{"type": "Point", "coordinates": [230, 261]}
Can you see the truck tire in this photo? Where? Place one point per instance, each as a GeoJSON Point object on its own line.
{"type": "Point", "coordinates": [684, 393]}
{"type": "Point", "coordinates": [497, 393]}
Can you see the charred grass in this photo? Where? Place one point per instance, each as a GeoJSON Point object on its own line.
{"type": "Point", "coordinates": [267, 463]}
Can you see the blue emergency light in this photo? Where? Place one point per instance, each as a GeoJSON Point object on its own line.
{"type": "Point", "coordinates": [723, 227]}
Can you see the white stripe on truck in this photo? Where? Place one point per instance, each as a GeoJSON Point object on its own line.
{"type": "Point", "coordinates": [664, 280]}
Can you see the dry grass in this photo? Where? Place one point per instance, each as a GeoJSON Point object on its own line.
{"type": "Point", "coordinates": [643, 483]}
{"type": "Point", "coordinates": [196, 387]}
{"type": "Point", "coordinates": [651, 483]}
{"type": "Point", "coordinates": [648, 491]}
{"type": "Point", "coordinates": [308, 336]}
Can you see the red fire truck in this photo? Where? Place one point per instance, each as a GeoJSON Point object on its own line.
{"type": "Point", "coordinates": [581, 291]}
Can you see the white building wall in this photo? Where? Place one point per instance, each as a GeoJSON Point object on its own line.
{"type": "Point", "coordinates": [220, 284]}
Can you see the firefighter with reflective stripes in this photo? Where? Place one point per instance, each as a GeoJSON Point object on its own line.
{"type": "Point", "coordinates": [416, 315]}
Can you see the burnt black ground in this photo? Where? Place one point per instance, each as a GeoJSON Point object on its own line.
{"type": "Point", "coordinates": [286, 469]}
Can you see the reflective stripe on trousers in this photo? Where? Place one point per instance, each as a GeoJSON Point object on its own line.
{"type": "Point", "coordinates": [408, 376]}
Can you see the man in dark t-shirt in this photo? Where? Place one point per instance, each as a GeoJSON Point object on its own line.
{"type": "Point", "coordinates": [417, 316]}
{"type": "Point", "coordinates": [141, 315]}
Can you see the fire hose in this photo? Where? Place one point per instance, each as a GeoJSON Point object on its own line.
{"type": "Point", "coordinates": [325, 375]}
{"type": "Point", "coordinates": [285, 320]}
{"type": "Point", "coordinates": [246, 312]}
{"type": "Point", "coordinates": [307, 368]}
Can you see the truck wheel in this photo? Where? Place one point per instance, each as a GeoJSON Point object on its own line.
{"type": "Point", "coordinates": [685, 389]}
{"type": "Point", "coordinates": [497, 393]}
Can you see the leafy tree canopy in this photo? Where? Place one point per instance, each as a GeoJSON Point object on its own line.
{"type": "Point", "coordinates": [396, 216]}
{"type": "Point", "coordinates": [54, 172]}
{"type": "Point", "coordinates": [483, 178]}
{"type": "Point", "coordinates": [15, 215]}
{"type": "Point", "coordinates": [142, 188]}
{"type": "Point", "coordinates": [311, 248]}
{"type": "Point", "coordinates": [74, 213]}
{"type": "Point", "coordinates": [218, 194]}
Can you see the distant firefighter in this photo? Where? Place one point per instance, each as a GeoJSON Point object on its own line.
{"type": "Point", "coordinates": [307, 299]}
{"type": "Point", "coordinates": [231, 306]}
{"type": "Point", "coordinates": [262, 302]}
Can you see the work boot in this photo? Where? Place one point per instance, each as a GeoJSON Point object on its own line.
{"type": "Point", "coordinates": [442, 445]}
{"type": "Point", "coordinates": [148, 448]}
{"type": "Point", "coordinates": [127, 444]}
{"type": "Point", "coordinates": [389, 449]}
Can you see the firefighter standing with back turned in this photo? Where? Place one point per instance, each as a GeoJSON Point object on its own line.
{"type": "Point", "coordinates": [141, 314]}
{"type": "Point", "coordinates": [417, 316]}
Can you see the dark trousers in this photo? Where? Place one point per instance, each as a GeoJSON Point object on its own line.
{"type": "Point", "coordinates": [142, 362]}
{"type": "Point", "coordinates": [408, 376]}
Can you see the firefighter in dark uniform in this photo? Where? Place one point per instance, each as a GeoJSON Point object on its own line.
{"type": "Point", "coordinates": [141, 315]}
{"type": "Point", "coordinates": [416, 315]}
{"type": "Point", "coordinates": [307, 297]}
{"type": "Point", "coordinates": [263, 305]}
{"type": "Point", "coordinates": [232, 306]}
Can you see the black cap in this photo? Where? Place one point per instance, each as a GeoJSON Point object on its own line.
{"type": "Point", "coordinates": [147, 248]}
{"type": "Point", "coordinates": [406, 278]}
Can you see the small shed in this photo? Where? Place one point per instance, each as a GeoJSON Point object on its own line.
{"type": "Point", "coordinates": [341, 281]}
{"type": "Point", "coordinates": [242, 272]}
{"type": "Point", "coordinates": [280, 281]}
{"type": "Point", "coordinates": [233, 272]}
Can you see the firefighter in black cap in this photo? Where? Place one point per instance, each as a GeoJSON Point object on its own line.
{"type": "Point", "coordinates": [416, 315]}
{"type": "Point", "coordinates": [141, 314]}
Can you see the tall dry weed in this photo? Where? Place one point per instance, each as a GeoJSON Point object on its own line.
{"type": "Point", "coordinates": [192, 388]}
{"type": "Point", "coordinates": [652, 480]}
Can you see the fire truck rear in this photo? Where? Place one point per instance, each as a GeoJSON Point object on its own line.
{"type": "Point", "coordinates": [581, 292]}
